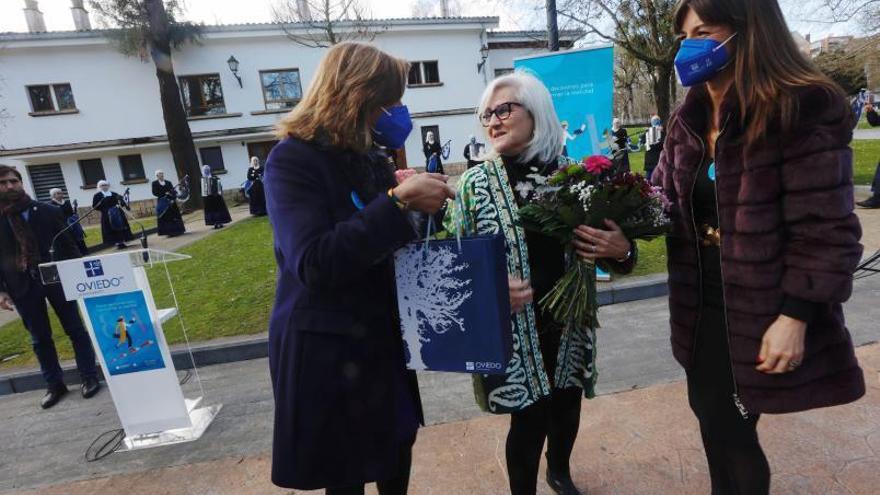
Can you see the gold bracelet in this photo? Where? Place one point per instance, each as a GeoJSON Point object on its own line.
{"type": "Point", "coordinates": [397, 202]}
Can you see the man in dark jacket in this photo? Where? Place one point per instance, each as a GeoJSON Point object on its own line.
{"type": "Point", "coordinates": [874, 200]}
{"type": "Point", "coordinates": [27, 230]}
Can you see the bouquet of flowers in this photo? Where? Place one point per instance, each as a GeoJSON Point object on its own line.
{"type": "Point", "coordinates": [587, 193]}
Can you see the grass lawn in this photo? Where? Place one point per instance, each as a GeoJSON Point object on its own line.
{"type": "Point", "coordinates": [866, 153]}
{"type": "Point", "coordinates": [652, 257]}
{"type": "Point", "coordinates": [93, 232]}
{"type": "Point", "coordinates": [226, 289]}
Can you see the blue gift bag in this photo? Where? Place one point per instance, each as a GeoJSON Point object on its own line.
{"type": "Point", "coordinates": [454, 305]}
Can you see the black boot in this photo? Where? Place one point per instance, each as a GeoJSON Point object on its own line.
{"type": "Point", "coordinates": [53, 395]}
{"type": "Point", "coordinates": [872, 202]}
{"type": "Point", "coordinates": [90, 387]}
{"type": "Point", "coordinates": [561, 483]}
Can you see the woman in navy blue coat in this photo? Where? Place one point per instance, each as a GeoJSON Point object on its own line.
{"type": "Point", "coordinates": [346, 408]}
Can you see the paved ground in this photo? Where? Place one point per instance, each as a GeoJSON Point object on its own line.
{"type": "Point", "coordinates": [636, 442]}
{"type": "Point", "coordinates": [873, 133]}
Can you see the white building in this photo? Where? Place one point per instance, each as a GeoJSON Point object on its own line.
{"type": "Point", "coordinates": [79, 111]}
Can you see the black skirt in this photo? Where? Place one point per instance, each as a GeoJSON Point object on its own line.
{"type": "Point", "coordinates": [216, 211]}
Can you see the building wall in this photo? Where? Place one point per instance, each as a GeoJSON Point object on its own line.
{"type": "Point", "coordinates": [117, 97]}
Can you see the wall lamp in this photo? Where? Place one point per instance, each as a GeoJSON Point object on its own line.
{"type": "Point", "coordinates": [233, 66]}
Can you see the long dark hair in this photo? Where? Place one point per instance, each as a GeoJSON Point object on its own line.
{"type": "Point", "coordinates": [768, 64]}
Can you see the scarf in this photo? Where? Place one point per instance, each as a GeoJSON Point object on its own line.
{"type": "Point", "coordinates": [12, 204]}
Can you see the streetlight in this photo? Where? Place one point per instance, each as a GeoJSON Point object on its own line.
{"type": "Point", "coordinates": [484, 54]}
{"type": "Point", "coordinates": [233, 66]}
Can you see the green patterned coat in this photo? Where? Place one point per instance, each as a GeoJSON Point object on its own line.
{"type": "Point", "coordinates": [486, 205]}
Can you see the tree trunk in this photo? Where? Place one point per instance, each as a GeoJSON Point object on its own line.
{"type": "Point", "coordinates": [552, 27]}
{"type": "Point", "coordinates": [663, 90]}
{"type": "Point", "coordinates": [180, 139]}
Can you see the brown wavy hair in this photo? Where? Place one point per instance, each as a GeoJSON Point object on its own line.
{"type": "Point", "coordinates": [353, 82]}
{"type": "Point", "coordinates": [768, 64]}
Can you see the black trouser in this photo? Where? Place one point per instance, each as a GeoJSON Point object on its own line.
{"type": "Point", "coordinates": [34, 314]}
{"type": "Point", "coordinates": [737, 464]}
{"type": "Point", "coordinates": [875, 186]}
{"type": "Point", "coordinates": [396, 486]}
{"type": "Point", "coordinates": [555, 418]}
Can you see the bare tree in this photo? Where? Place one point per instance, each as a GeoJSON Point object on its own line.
{"type": "Point", "coordinates": [149, 29]}
{"type": "Point", "coordinates": [436, 8]}
{"type": "Point", "coordinates": [324, 23]}
{"type": "Point", "coordinates": [643, 28]}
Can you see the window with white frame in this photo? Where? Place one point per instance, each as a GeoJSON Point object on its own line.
{"type": "Point", "coordinates": [424, 73]}
{"type": "Point", "coordinates": [51, 98]}
{"type": "Point", "coordinates": [281, 88]}
{"type": "Point", "coordinates": [202, 95]}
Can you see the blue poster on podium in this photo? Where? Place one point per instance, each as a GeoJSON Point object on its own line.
{"type": "Point", "coordinates": [125, 333]}
{"type": "Point", "coordinates": [581, 83]}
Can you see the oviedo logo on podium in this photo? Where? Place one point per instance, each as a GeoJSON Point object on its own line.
{"type": "Point", "coordinates": [96, 276]}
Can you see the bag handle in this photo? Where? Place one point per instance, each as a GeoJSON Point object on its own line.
{"type": "Point", "coordinates": [430, 230]}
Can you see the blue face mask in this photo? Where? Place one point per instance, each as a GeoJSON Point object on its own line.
{"type": "Point", "coordinates": [699, 60]}
{"type": "Point", "coordinates": [393, 127]}
{"type": "Point", "coordinates": [656, 122]}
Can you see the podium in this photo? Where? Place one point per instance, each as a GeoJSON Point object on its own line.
{"type": "Point", "coordinates": [117, 307]}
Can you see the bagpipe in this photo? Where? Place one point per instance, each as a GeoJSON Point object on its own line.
{"type": "Point", "coordinates": [115, 214]}
{"type": "Point", "coordinates": [858, 104]}
{"type": "Point", "coordinates": [179, 193]}
{"type": "Point", "coordinates": [433, 166]}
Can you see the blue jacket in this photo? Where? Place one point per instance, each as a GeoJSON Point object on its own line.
{"type": "Point", "coordinates": [344, 402]}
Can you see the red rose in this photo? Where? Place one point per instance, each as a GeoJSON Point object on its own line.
{"type": "Point", "coordinates": [597, 164]}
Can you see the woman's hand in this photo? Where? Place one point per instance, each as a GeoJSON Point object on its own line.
{"type": "Point", "coordinates": [782, 349]}
{"type": "Point", "coordinates": [592, 244]}
{"type": "Point", "coordinates": [425, 192]}
{"type": "Point", "coordinates": [521, 294]}
{"type": "Point", "coordinates": [6, 302]}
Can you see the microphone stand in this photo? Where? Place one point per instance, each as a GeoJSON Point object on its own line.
{"type": "Point", "coordinates": [128, 214]}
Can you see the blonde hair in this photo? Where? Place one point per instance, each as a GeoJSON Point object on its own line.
{"type": "Point", "coordinates": [352, 83]}
{"type": "Point", "coordinates": [546, 142]}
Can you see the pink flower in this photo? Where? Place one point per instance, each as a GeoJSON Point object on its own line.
{"type": "Point", "coordinates": [597, 164]}
{"type": "Point", "coordinates": [402, 175]}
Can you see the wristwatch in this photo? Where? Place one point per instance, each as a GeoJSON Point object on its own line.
{"type": "Point", "coordinates": [397, 201]}
{"type": "Point", "coordinates": [627, 257]}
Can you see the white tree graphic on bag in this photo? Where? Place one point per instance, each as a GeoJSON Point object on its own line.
{"type": "Point", "coordinates": [429, 295]}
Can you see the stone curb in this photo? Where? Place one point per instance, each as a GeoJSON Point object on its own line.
{"type": "Point", "coordinates": [256, 347]}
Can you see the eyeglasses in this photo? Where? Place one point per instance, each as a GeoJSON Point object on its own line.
{"type": "Point", "coordinates": [502, 111]}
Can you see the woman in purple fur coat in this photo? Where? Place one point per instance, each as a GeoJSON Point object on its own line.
{"type": "Point", "coordinates": [758, 168]}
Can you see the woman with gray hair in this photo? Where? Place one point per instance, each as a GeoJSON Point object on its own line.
{"type": "Point", "coordinates": [552, 364]}
{"type": "Point", "coordinates": [68, 210]}
{"type": "Point", "coordinates": [114, 225]}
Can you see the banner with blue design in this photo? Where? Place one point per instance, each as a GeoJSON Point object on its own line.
{"type": "Point", "coordinates": [582, 85]}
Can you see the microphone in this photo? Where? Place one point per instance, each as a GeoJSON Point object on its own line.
{"type": "Point", "coordinates": [69, 226]}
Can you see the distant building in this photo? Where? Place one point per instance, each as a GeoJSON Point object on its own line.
{"type": "Point", "coordinates": [81, 112]}
{"type": "Point", "coordinates": [829, 44]}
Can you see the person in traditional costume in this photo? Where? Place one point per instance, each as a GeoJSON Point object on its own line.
{"type": "Point", "coordinates": [68, 210]}
{"type": "Point", "coordinates": [216, 212]}
{"type": "Point", "coordinates": [114, 224]}
{"type": "Point", "coordinates": [256, 191]}
{"type": "Point", "coordinates": [553, 364]}
{"type": "Point", "coordinates": [168, 217]}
